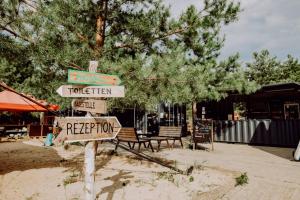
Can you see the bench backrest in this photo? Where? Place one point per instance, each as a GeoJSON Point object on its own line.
{"type": "Point", "coordinates": [127, 133]}
{"type": "Point", "coordinates": [170, 131]}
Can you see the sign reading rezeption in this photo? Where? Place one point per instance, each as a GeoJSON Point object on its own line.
{"type": "Point", "coordinates": [87, 128]}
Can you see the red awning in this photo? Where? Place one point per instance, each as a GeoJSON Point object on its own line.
{"type": "Point", "coordinates": [10, 101]}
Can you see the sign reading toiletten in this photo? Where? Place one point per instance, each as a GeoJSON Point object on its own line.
{"type": "Point", "coordinates": [90, 91]}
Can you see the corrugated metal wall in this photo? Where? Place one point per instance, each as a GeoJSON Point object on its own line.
{"type": "Point", "coordinates": [261, 132]}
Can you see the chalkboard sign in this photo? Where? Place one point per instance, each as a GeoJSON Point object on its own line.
{"type": "Point", "coordinates": [202, 126]}
{"type": "Point", "coordinates": [203, 132]}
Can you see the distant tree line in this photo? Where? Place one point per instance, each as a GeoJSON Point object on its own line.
{"type": "Point", "coordinates": [267, 69]}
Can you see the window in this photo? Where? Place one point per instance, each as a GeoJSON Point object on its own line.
{"type": "Point", "coordinates": [291, 111]}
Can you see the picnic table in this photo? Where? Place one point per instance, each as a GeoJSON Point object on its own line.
{"type": "Point", "coordinates": [12, 129]}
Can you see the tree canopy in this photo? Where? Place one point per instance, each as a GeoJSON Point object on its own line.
{"type": "Point", "coordinates": [159, 58]}
{"type": "Point", "coordinates": [267, 69]}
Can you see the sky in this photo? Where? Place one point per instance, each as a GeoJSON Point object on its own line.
{"type": "Point", "coordinates": [263, 24]}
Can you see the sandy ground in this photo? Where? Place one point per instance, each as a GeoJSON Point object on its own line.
{"type": "Point", "coordinates": [29, 171]}
{"type": "Point", "coordinates": [272, 172]}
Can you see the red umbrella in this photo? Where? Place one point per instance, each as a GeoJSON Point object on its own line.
{"type": "Point", "coordinates": [10, 101]}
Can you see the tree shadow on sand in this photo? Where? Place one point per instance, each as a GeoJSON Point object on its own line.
{"type": "Point", "coordinates": [20, 157]}
{"type": "Point", "coordinates": [76, 164]}
{"type": "Point", "coordinates": [116, 185]}
{"type": "Point", "coordinates": [17, 156]}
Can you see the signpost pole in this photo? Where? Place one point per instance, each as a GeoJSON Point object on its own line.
{"type": "Point", "coordinates": [89, 168]}
{"type": "Point", "coordinates": [90, 152]}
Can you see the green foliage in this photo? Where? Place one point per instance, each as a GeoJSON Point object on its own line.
{"type": "Point", "coordinates": [166, 175]}
{"type": "Point", "coordinates": [191, 179]}
{"type": "Point", "coordinates": [266, 69]}
{"type": "Point", "coordinates": [70, 179]}
{"type": "Point", "coordinates": [158, 58]}
{"type": "Point", "coordinates": [242, 179]}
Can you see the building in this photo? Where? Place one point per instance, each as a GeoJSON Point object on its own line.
{"type": "Point", "coordinates": [269, 116]}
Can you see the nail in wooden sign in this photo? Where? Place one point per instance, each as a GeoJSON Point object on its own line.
{"type": "Point", "coordinates": [90, 105]}
{"type": "Point", "coordinates": [92, 78]}
{"type": "Point", "coordinates": [74, 129]}
{"type": "Point", "coordinates": [90, 91]}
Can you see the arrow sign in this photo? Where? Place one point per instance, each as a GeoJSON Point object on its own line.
{"type": "Point", "coordinates": [91, 78]}
{"type": "Point", "coordinates": [90, 105]}
{"type": "Point", "coordinates": [74, 129]}
{"type": "Point", "coordinates": [90, 91]}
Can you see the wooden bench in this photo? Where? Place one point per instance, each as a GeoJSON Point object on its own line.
{"type": "Point", "coordinates": [130, 136]}
{"type": "Point", "coordinates": [167, 133]}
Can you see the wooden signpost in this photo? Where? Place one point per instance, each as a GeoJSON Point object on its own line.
{"type": "Point", "coordinates": [90, 91]}
{"type": "Point", "coordinates": [89, 129]}
{"type": "Point", "coordinates": [90, 105]}
{"type": "Point", "coordinates": [92, 78]}
{"type": "Point", "coordinates": [79, 129]}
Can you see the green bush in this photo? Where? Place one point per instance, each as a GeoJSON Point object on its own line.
{"type": "Point", "coordinates": [242, 179]}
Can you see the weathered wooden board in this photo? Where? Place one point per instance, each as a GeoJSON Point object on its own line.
{"type": "Point", "coordinates": [90, 105]}
{"type": "Point", "coordinates": [87, 128]}
{"type": "Point", "coordinates": [92, 78]}
{"type": "Point", "coordinates": [90, 91]}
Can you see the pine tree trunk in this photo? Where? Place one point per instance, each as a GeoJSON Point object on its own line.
{"type": "Point", "coordinates": [194, 114]}
{"type": "Point", "coordinates": [100, 26]}
{"type": "Point", "coordinates": [194, 111]}
{"type": "Point", "coordinates": [99, 32]}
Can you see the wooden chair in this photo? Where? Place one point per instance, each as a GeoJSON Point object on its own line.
{"type": "Point", "coordinates": [130, 136]}
{"type": "Point", "coordinates": [167, 133]}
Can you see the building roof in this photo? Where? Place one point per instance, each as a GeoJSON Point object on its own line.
{"type": "Point", "coordinates": [280, 86]}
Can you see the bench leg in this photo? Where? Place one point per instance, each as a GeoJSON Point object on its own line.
{"type": "Point", "coordinates": [168, 143]}
{"type": "Point", "coordinates": [139, 146]}
{"type": "Point", "coordinates": [181, 142]}
{"type": "Point", "coordinates": [149, 144]}
{"type": "Point", "coordinates": [158, 145]}
{"type": "Point", "coordinates": [144, 143]}
{"type": "Point", "coordinates": [173, 143]}
{"type": "Point", "coordinates": [133, 145]}
{"type": "Point", "coordinates": [117, 145]}
{"type": "Point", "coordinates": [129, 144]}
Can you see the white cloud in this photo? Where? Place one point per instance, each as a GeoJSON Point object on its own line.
{"type": "Point", "coordinates": [263, 24]}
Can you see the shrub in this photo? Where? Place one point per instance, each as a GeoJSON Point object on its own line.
{"type": "Point", "coordinates": [242, 179]}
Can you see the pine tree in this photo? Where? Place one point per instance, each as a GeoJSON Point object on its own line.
{"type": "Point", "coordinates": [158, 58]}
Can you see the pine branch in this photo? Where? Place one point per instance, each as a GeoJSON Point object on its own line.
{"type": "Point", "coordinates": [85, 39]}
{"type": "Point", "coordinates": [75, 66]}
{"type": "Point", "coordinates": [179, 30]}
{"type": "Point", "coordinates": [26, 2]}
{"type": "Point", "coordinates": [16, 34]}
{"type": "Point", "coordinates": [132, 46]}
